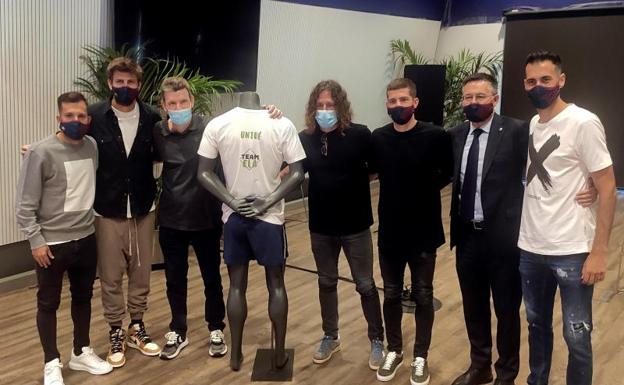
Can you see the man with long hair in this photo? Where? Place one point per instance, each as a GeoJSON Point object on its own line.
{"type": "Point", "coordinates": [337, 157]}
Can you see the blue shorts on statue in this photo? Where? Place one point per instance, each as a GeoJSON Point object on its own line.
{"type": "Point", "coordinates": [245, 239]}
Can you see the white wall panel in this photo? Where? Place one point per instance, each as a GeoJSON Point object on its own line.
{"type": "Point", "coordinates": [40, 43]}
{"type": "Point", "coordinates": [487, 38]}
{"type": "Point", "coordinates": [301, 45]}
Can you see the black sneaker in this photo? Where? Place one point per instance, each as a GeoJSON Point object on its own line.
{"type": "Point", "coordinates": [389, 367]}
{"type": "Point", "coordinates": [420, 372]}
{"type": "Point", "coordinates": [173, 345]}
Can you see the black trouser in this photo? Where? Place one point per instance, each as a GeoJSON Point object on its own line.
{"type": "Point", "coordinates": [490, 264]}
{"type": "Point", "coordinates": [174, 245]}
{"type": "Point", "coordinates": [79, 259]}
{"type": "Point", "coordinates": [422, 265]}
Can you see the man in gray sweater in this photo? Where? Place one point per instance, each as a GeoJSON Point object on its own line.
{"type": "Point", "coordinates": [54, 210]}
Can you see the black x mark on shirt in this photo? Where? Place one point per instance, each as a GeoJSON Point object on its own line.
{"type": "Point", "coordinates": [537, 160]}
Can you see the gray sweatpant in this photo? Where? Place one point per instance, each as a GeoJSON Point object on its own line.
{"type": "Point", "coordinates": [124, 246]}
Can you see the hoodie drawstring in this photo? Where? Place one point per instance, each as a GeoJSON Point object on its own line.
{"type": "Point", "coordinates": [136, 239]}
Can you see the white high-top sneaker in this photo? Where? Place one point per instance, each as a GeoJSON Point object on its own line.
{"type": "Point", "coordinates": [52, 373]}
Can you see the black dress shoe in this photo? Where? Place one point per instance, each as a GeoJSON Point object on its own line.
{"type": "Point", "coordinates": [474, 377]}
{"type": "Point", "coordinates": [503, 382]}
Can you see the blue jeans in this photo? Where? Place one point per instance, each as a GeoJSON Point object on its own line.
{"type": "Point", "coordinates": [541, 275]}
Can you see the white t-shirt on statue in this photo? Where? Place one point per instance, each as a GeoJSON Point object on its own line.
{"type": "Point", "coordinates": [562, 154]}
{"type": "Point", "coordinates": [252, 147]}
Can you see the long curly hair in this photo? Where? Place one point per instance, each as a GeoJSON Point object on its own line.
{"type": "Point", "coordinates": [341, 103]}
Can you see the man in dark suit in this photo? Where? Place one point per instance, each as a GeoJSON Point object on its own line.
{"type": "Point", "coordinates": [490, 153]}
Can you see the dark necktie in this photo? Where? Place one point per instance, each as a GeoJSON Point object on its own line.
{"type": "Point", "coordinates": [469, 187]}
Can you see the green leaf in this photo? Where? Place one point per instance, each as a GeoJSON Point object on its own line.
{"type": "Point", "coordinates": [95, 81]}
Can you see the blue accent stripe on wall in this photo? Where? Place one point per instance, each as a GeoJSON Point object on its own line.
{"type": "Point", "coordinates": [431, 9]}
{"type": "Point", "coordinates": [460, 12]}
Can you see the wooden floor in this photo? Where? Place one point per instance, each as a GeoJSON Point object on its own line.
{"type": "Point", "coordinates": [22, 357]}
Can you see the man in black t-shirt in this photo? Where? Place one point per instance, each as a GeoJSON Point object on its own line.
{"type": "Point", "coordinates": [188, 215]}
{"type": "Point", "coordinates": [414, 161]}
{"type": "Point", "coordinates": [337, 156]}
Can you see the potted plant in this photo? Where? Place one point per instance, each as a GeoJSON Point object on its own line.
{"type": "Point", "coordinates": [95, 82]}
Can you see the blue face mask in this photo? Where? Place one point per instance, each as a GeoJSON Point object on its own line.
{"type": "Point", "coordinates": [74, 129]}
{"type": "Point", "coordinates": [326, 120]}
{"type": "Point", "coordinates": [180, 117]}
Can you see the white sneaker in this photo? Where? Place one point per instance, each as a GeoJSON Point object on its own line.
{"type": "Point", "coordinates": [52, 373]}
{"type": "Point", "coordinates": [89, 362]}
{"type": "Point", "coordinates": [217, 347]}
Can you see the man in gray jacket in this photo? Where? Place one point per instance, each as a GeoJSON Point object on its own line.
{"type": "Point", "coordinates": [54, 210]}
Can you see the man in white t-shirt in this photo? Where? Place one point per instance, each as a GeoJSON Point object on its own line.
{"type": "Point", "coordinates": [562, 243]}
{"type": "Point", "coordinates": [252, 148]}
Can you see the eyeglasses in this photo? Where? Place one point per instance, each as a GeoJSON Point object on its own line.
{"type": "Point", "coordinates": [324, 144]}
{"type": "Point", "coordinates": [477, 97]}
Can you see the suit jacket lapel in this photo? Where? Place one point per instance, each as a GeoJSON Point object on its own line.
{"type": "Point", "coordinates": [494, 137]}
{"type": "Point", "coordinates": [460, 142]}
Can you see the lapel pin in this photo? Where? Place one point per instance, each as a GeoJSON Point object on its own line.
{"type": "Point", "coordinates": [500, 129]}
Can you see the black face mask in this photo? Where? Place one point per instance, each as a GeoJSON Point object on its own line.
{"type": "Point", "coordinates": [125, 95]}
{"type": "Point", "coordinates": [477, 113]}
{"type": "Point", "coordinates": [543, 97]}
{"type": "Point", "coordinates": [401, 115]}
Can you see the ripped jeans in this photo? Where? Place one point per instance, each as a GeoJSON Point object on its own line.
{"type": "Point", "coordinates": [541, 275]}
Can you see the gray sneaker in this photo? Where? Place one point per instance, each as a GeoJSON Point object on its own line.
{"type": "Point", "coordinates": [174, 343]}
{"type": "Point", "coordinates": [377, 354]}
{"type": "Point", "coordinates": [420, 372]}
{"type": "Point", "coordinates": [329, 346]}
{"type": "Point", "coordinates": [389, 367]}
{"type": "Point", "coordinates": [217, 347]}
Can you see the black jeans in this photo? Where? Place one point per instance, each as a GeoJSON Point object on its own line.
{"type": "Point", "coordinates": [422, 266]}
{"type": "Point", "coordinates": [79, 259]}
{"type": "Point", "coordinates": [174, 245]}
{"type": "Point", "coordinates": [358, 249]}
{"type": "Point", "coordinates": [486, 265]}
